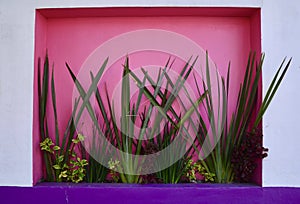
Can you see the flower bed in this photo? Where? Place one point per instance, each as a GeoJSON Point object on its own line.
{"type": "Point", "coordinates": [63, 96]}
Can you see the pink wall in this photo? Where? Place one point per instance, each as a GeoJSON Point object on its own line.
{"type": "Point", "coordinates": [70, 35]}
{"type": "Point", "coordinates": [256, 45]}
{"type": "Point", "coordinates": [40, 51]}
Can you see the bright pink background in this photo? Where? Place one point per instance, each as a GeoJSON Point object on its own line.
{"type": "Point", "coordinates": [70, 35]}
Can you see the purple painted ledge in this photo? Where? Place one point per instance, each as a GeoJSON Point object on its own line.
{"type": "Point", "coordinates": [56, 193]}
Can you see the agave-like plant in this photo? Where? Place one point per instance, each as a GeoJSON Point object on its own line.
{"type": "Point", "coordinates": [221, 134]}
{"type": "Point", "coordinates": [95, 171]}
{"type": "Point", "coordinates": [235, 127]}
{"type": "Point", "coordinates": [130, 166]}
{"type": "Point", "coordinates": [175, 131]}
{"type": "Point", "coordinates": [58, 155]}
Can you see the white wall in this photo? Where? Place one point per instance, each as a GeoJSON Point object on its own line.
{"type": "Point", "coordinates": [280, 38]}
{"type": "Point", "coordinates": [16, 74]}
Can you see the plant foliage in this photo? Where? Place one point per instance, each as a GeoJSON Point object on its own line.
{"type": "Point", "coordinates": [232, 139]}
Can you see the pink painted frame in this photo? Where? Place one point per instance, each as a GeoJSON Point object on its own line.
{"type": "Point", "coordinates": [72, 34]}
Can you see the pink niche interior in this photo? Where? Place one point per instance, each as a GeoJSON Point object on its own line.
{"type": "Point", "coordinates": [72, 34]}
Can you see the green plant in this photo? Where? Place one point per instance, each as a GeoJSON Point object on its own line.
{"type": "Point", "coordinates": [121, 136]}
{"type": "Point", "coordinates": [43, 84]}
{"type": "Point", "coordinates": [175, 172]}
{"type": "Point", "coordinates": [113, 166]}
{"type": "Point", "coordinates": [66, 169]}
{"type": "Point", "coordinates": [174, 131]}
{"type": "Point", "coordinates": [95, 171]}
{"type": "Point", "coordinates": [67, 160]}
{"type": "Point", "coordinates": [61, 160]}
{"type": "Point", "coordinates": [195, 168]}
{"type": "Point", "coordinates": [235, 127]}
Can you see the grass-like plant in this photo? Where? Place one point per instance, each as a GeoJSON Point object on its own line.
{"type": "Point", "coordinates": [95, 171]}
{"type": "Point", "coordinates": [62, 160]}
{"type": "Point", "coordinates": [218, 134]}
{"type": "Point", "coordinates": [173, 133]}
{"type": "Point", "coordinates": [119, 137]}
{"type": "Point", "coordinates": [234, 127]}
{"type": "Point", "coordinates": [129, 166]}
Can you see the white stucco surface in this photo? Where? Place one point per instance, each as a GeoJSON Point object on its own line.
{"type": "Point", "coordinates": [280, 37]}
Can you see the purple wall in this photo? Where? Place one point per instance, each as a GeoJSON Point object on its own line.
{"type": "Point", "coordinates": [123, 193]}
